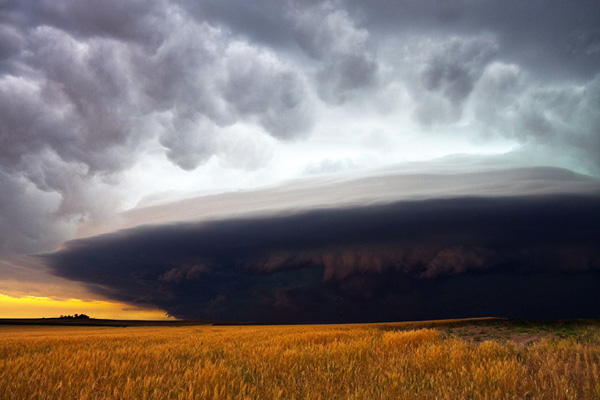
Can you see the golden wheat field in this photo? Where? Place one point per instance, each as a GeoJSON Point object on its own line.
{"type": "Point", "coordinates": [376, 361]}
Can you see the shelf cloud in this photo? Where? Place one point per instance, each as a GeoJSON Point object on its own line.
{"type": "Point", "coordinates": [446, 256]}
{"type": "Point", "coordinates": [108, 105]}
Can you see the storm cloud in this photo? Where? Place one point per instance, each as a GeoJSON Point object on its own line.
{"type": "Point", "coordinates": [83, 91]}
{"type": "Point", "coordinates": [107, 104]}
{"type": "Point", "coordinates": [521, 256]}
{"type": "Point", "coordinates": [88, 90]}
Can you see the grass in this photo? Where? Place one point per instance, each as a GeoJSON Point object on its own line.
{"type": "Point", "coordinates": [375, 361]}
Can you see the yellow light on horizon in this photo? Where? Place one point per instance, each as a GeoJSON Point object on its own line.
{"type": "Point", "coordinates": [39, 307]}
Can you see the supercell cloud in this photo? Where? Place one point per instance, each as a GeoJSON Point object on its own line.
{"type": "Point", "coordinates": [523, 256]}
{"type": "Point", "coordinates": [109, 104]}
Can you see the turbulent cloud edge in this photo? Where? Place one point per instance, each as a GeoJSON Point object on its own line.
{"type": "Point", "coordinates": [86, 91]}
{"type": "Point", "coordinates": [313, 262]}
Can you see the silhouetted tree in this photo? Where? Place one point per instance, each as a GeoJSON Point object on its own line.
{"type": "Point", "coordinates": [76, 316]}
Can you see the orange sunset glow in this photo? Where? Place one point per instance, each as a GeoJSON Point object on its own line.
{"type": "Point", "coordinates": [44, 307]}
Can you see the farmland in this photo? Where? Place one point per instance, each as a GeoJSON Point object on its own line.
{"type": "Point", "coordinates": [482, 359]}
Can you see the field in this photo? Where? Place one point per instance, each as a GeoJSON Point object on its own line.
{"type": "Point", "coordinates": [475, 359]}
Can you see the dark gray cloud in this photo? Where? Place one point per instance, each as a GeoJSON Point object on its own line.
{"type": "Point", "coordinates": [551, 38]}
{"type": "Point", "coordinates": [449, 71]}
{"type": "Point", "coordinates": [344, 52]}
{"type": "Point", "coordinates": [36, 228]}
{"type": "Point", "coordinates": [522, 256]}
{"type": "Point", "coordinates": [261, 22]}
{"type": "Point", "coordinates": [88, 91]}
{"type": "Point", "coordinates": [454, 68]}
{"type": "Point", "coordinates": [10, 44]}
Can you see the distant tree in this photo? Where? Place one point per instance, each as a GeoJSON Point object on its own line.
{"type": "Point", "coordinates": [76, 316]}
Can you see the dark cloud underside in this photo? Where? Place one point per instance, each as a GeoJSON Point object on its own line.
{"type": "Point", "coordinates": [528, 257]}
{"type": "Point", "coordinates": [103, 103]}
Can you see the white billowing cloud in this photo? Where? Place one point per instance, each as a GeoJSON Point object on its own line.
{"type": "Point", "coordinates": [245, 150]}
{"type": "Point", "coordinates": [83, 94]}
{"type": "Point", "coordinates": [93, 94]}
{"type": "Point", "coordinates": [106, 90]}
{"type": "Point", "coordinates": [190, 142]}
{"type": "Point", "coordinates": [260, 85]}
{"type": "Point", "coordinates": [347, 61]}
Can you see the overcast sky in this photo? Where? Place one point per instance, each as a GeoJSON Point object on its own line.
{"type": "Point", "coordinates": [113, 113]}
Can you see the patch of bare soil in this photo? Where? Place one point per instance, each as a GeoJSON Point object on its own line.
{"type": "Point", "coordinates": [500, 334]}
{"type": "Point", "coordinates": [520, 332]}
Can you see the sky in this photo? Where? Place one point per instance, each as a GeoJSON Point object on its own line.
{"type": "Point", "coordinates": [300, 161]}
